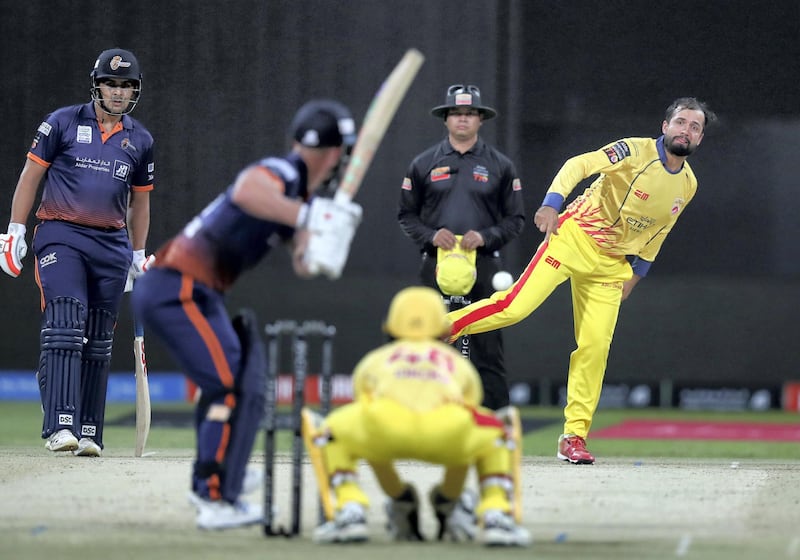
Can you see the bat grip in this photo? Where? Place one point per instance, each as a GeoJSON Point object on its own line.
{"type": "Point", "coordinates": [341, 196]}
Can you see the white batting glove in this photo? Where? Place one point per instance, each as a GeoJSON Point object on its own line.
{"type": "Point", "coordinates": [331, 225]}
{"type": "Point", "coordinates": [139, 266]}
{"type": "Point", "coordinates": [13, 249]}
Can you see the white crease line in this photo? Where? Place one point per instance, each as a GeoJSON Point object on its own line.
{"type": "Point", "coordinates": [794, 546]}
{"type": "Point", "coordinates": [683, 545]}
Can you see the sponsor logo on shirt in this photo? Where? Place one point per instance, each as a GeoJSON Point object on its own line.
{"type": "Point", "coordinates": [641, 223]}
{"type": "Point", "coordinates": [440, 174]}
{"type": "Point", "coordinates": [480, 174]}
{"type": "Point", "coordinates": [617, 152]}
{"type": "Point", "coordinates": [407, 186]}
{"type": "Point", "coordinates": [552, 262]}
{"type": "Point", "coordinates": [677, 205]}
{"type": "Point", "coordinates": [93, 164]}
{"type": "Point", "coordinates": [641, 194]}
{"type": "Point", "coordinates": [84, 134]}
{"type": "Point", "coordinates": [121, 170]}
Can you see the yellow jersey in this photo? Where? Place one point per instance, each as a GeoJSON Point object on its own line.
{"type": "Point", "coordinates": [634, 203]}
{"type": "Point", "coordinates": [418, 374]}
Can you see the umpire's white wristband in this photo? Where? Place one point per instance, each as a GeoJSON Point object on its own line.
{"type": "Point", "coordinates": [302, 216]}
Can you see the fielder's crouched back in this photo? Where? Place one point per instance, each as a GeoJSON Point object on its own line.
{"type": "Point", "coordinates": [416, 398]}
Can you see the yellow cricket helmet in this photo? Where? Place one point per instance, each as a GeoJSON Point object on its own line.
{"type": "Point", "coordinates": [417, 313]}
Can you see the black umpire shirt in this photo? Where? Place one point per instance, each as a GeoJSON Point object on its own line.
{"type": "Point", "coordinates": [478, 190]}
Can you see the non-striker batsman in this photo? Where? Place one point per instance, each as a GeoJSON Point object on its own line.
{"type": "Point", "coordinates": [96, 164]}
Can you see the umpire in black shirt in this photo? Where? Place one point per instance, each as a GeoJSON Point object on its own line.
{"type": "Point", "coordinates": [464, 187]}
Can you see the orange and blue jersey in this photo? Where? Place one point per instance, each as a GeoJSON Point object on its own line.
{"type": "Point", "coordinates": [223, 241]}
{"type": "Point", "coordinates": [90, 173]}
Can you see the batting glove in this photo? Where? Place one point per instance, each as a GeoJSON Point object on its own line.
{"type": "Point", "coordinates": [332, 225]}
{"type": "Point", "coordinates": [13, 249]}
{"type": "Point", "coordinates": [139, 266]}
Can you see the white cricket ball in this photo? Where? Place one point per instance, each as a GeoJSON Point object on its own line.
{"type": "Point", "coordinates": [502, 280]}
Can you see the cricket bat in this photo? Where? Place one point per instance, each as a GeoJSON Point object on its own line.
{"type": "Point", "coordinates": [143, 412]}
{"type": "Point", "coordinates": [380, 113]}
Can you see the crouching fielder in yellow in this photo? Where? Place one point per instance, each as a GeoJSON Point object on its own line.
{"type": "Point", "coordinates": [418, 398]}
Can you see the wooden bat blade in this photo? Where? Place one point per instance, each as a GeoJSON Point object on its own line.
{"type": "Point", "coordinates": [143, 412]}
{"type": "Point", "coordinates": [380, 113]}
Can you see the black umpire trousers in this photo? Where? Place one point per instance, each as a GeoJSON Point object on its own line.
{"type": "Point", "coordinates": [486, 349]}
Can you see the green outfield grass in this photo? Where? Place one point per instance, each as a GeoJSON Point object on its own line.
{"type": "Point", "coordinates": [20, 423]}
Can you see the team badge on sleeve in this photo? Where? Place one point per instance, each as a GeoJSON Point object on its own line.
{"type": "Point", "coordinates": [617, 152]}
{"type": "Point", "coordinates": [407, 186]}
{"type": "Point", "coordinates": [516, 185]}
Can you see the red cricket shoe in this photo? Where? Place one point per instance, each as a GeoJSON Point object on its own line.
{"type": "Point", "coordinates": [572, 448]}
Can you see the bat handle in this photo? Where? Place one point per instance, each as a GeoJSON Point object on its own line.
{"type": "Point", "coordinates": [342, 197]}
{"type": "Point", "coordinates": [138, 328]}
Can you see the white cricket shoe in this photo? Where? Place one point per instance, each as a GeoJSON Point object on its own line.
{"type": "Point", "coordinates": [349, 525]}
{"type": "Point", "coordinates": [253, 479]}
{"type": "Point", "coordinates": [499, 529]}
{"type": "Point", "coordinates": [215, 515]}
{"type": "Point", "coordinates": [62, 440]}
{"type": "Point", "coordinates": [402, 516]}
{"type": "Point", "coordinates": [457, 521]}
{"type": "Point", "coordinates": [87, 448]}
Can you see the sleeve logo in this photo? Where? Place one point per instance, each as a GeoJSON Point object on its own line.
{"type": "Point", "coordinates": [617, 152]}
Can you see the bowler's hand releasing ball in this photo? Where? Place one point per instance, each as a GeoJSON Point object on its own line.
{"type": "Point", "coordinates": [502, 281]}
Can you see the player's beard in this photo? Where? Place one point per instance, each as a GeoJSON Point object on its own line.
{"type": "Point", "coordinates": [681, 150]}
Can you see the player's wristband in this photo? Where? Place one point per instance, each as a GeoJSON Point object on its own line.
{"type": "Point", "coordinates": [302, 216]}
{"type": "Point", "coordinates": [553, 200]}
{"type": "Point", "coordinates": [640, 266]}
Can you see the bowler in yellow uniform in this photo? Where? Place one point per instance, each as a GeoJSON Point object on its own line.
{"type": "Point", "coordinates": [417, 398]}
{"type": "Point", "coordinates": [603, 242]}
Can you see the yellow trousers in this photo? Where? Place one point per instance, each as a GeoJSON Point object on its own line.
{"type": "Point", "coordinates": [596, 282]}
{"type": "Point", "coordinates": [381, 431]}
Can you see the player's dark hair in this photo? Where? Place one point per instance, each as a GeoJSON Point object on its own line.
{"type": "Point", "coordinates": [693, 104]}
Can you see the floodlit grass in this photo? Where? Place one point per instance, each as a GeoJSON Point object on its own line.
{"type": "Point", "coordinates": [20, 425]}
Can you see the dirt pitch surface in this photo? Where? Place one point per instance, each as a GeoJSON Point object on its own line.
{"type": "Point", "coordinates": [60, 506]}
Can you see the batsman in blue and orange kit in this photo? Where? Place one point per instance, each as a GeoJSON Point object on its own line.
{"type": "Point", "coordinates": [418, 398]}
{"type": "Point", "coordinates": [181, 299]}
{"type": "Point", "coordinates": [604, 243]}
{"type": "Point", "coordinates": [96, 165]}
